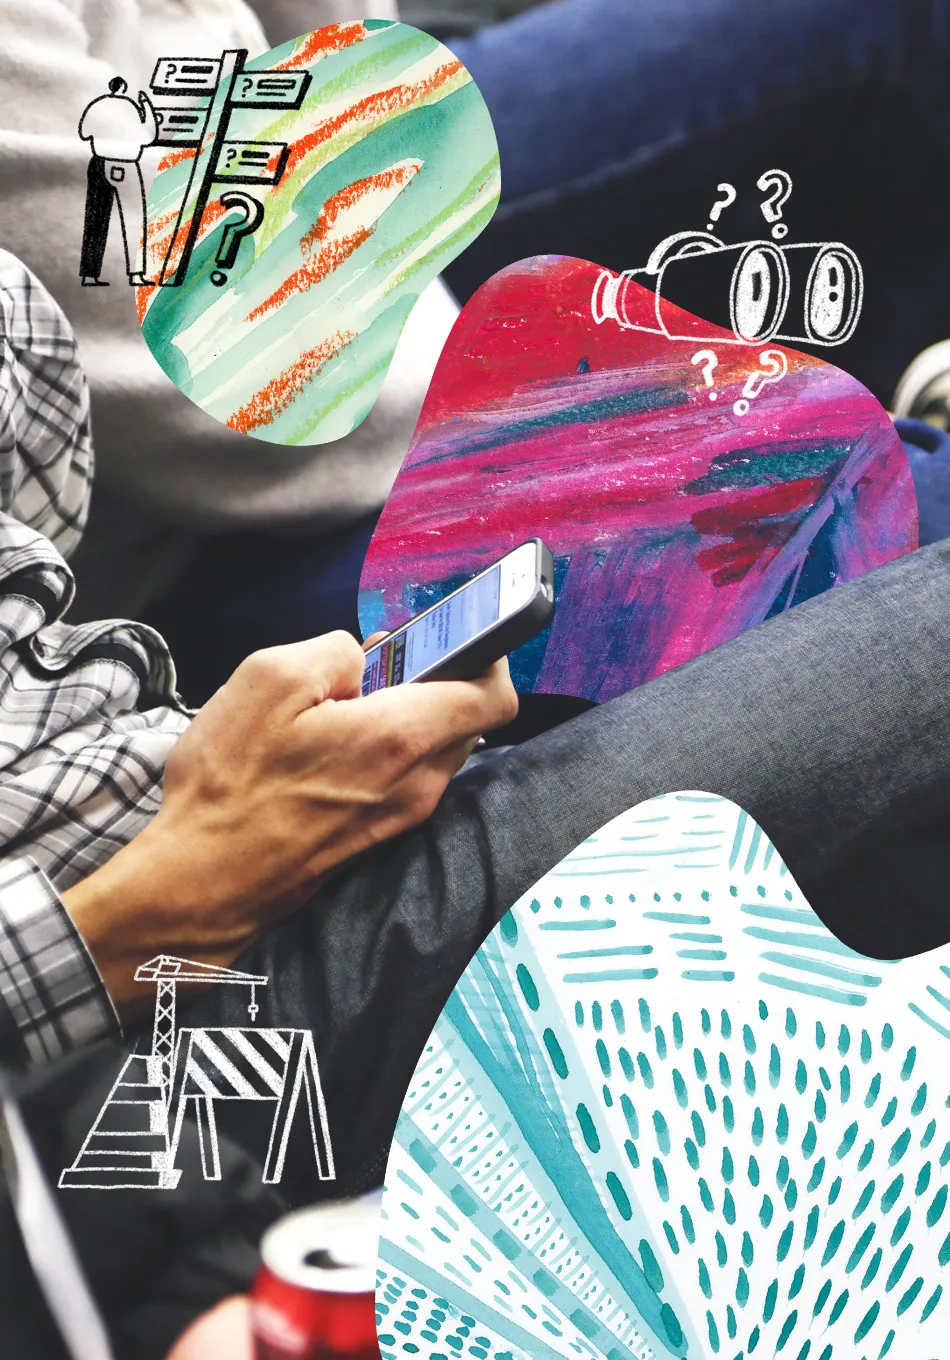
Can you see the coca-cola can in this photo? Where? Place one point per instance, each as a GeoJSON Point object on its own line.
{"type": "Point", "coordinates": [314, 1297]}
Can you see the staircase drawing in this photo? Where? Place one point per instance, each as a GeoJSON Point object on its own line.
{"type": "Point", "coordinates": [134, 1140]}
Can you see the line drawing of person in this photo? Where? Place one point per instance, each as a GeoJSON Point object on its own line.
{"type": "Point", "coordinates": [119, 129]}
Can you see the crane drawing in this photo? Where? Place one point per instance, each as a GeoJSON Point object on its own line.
{"type": "Point", "coordinates": [134, 1140]}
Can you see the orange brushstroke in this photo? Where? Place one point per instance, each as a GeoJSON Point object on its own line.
{"type": "Point", "coordinates": [265, 406]}
{"type": "Point", "coordinates": [384, 101]}
{"type": "Point", "coordinates": [159, 243]}
{"type": "Point", "coordinates": [174, 158]}
{"type": "Point", "coordinates": [322, 257]}
{"type": "Point", "coordinates": [325, 41]}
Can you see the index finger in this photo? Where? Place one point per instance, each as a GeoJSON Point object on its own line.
{"type": "Point", "coordinates": [448, 711]}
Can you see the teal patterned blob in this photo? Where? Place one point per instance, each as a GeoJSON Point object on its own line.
{"type": "Point", "coordinates": [746, 1162]}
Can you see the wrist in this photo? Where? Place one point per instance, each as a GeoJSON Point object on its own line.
{"type": "Point", "coordinates": [149, 900]}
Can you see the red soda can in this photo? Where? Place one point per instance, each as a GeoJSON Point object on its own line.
{"type": "Point", "coordinates": [315, 1295]}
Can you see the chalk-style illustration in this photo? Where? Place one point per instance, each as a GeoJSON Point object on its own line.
{"type": "Point", "coordinates": [666, 1113]}
{"type": "Point", "coordinates": [779, 183]}
{"type": "Point", "coordinates": [134, 1140]}
{"type": "Point", "coordinates": [807, 293]}
{"type": "Point", "coordinates": [721, 203]}
{"type": "Point", "coordinates": [774, 368]}
{"type": "Point", "coordinates": [283, 320]}
{"type": "Point", "coordinates": [756, 279]}
{"type": "Point", "coordinates": [687, 490]}
{"type": "Point", "coordinates": [119, 129]}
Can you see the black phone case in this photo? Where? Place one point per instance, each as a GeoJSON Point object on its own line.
{"type": "Point", "coordinates": [475, 659]}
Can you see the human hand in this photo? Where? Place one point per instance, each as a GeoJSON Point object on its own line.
{"type": "Point", "coordinates": [286, 773]}
{"type": "Point", "coordinates": [222, 1334]}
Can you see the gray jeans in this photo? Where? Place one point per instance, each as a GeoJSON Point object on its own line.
{"type": "Point", "coordinates": [829, 724]}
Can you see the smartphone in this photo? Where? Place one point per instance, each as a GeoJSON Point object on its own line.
{"type": "Point", "coordinates": [461, 636]}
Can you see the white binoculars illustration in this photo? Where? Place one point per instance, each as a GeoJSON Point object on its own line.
{"type": "Point", "coordinates": [809, 293]}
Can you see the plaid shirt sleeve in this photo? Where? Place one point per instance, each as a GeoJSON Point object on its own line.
{"type": "Point", "coordinates": [88, 713]}
{"type": "Point", "coordinates": [51, 996]}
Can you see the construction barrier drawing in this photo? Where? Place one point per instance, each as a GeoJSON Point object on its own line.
{"type": "Point", "coordinates": [134, 1140]}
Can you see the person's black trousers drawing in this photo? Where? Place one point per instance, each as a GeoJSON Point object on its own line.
{"type": "Point", "coordinates": [95, 235]}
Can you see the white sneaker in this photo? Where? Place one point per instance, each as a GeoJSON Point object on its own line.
{"type": "Point", "coordinates": [924, 390]}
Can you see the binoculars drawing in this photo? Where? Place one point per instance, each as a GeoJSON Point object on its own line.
{"type": "Point", "coordinates": [808, 294]}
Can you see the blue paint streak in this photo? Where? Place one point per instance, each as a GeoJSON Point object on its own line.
{"type": "Point", "coordinates": [547, 1134]}
{"type": "Point", "coordinates": [614, 975]}
{"type": "Point", "coordinates": [580, 413]}
{"type": "Point", "coordinates": [824, 993]}
{"type": "Point", "coordinates": [607, 953]}
{"type": "Point", "coordinates": [737, 842]}
{"type": "Point", "coordinates": [577, 925]}
{"type": "Point", "coordinates": [824, 969]}
{"type": "Point", "coordinates": [707, 975]}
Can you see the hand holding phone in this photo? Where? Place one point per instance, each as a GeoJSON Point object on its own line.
{"type": "Point", "coordinates": [496, 612]}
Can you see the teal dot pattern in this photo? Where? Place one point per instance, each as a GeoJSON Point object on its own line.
{"type": "Point", "coordinates": [666, 1113]}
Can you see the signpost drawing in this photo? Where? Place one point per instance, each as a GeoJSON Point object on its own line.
{"type": "Point", "coordinates": [195, 100]}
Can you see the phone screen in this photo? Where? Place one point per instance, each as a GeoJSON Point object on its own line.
{"type": "Point", "coordinates": [433, 636]}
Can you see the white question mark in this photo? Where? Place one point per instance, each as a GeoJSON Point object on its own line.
{"type": "Point", "coordinates": [721, 203]}
{"type": "Point", "coordinates": [780, 182]}
{"type": "Point", "coordinates": [709, 360]}
{"type": "Point", "coordinates": [776, 367]}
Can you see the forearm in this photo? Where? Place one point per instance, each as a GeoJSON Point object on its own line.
{"type": "Point", "coordinates": [149, 899]}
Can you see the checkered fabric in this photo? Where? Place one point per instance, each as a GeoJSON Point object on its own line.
{"type": "Point", "coordinates": [88, 714]}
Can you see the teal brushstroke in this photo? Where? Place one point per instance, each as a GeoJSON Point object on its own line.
{"type": "Point", "coordinates": [577, 925]}
{"type": "Point", "coordinates": [545, 1130]}
{"type": "Point", "coordinates": [826, 942]}
{"type": "Point", "coordinates": [677, 918]}
{"type": "Point", "coordinates": [795, 915]}
{"type": "Point", "coordinates": [580, 413]}
{"type": "Point", "coordinates": [807, 989]}
{"type": "Point", "coordinates": [621, 949]}
{"type": "Point", "coordinates": [416, 1269]}
{"type": "Point", "coordinates": [824, 969]}
{"type": "Point", "coordinates": [614, 975]}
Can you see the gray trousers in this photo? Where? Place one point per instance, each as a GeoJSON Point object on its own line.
{"type": "Point", "coordinates": [829, 724]}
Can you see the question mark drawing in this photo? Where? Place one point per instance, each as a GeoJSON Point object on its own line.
{"type": "Point", "coordinates": [721, 203]}
{"type": "Point", "coordinates": [248, 86]}
{"type": "Point", "coordinates": [709, 360]}
{"type": "Point", "coordinates": [236, 231]}
{"type": "Point", "coordinates": [780, 182]}
{"type": "Point", "coordinates": [776, 367]}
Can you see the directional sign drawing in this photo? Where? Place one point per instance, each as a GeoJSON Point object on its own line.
{"type": "Point", "coordinates": [374, 157]}
{"type": "Point", "coordinates": [206, 128]}
{"type": "Point", "coordinates": [134, 1140]}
